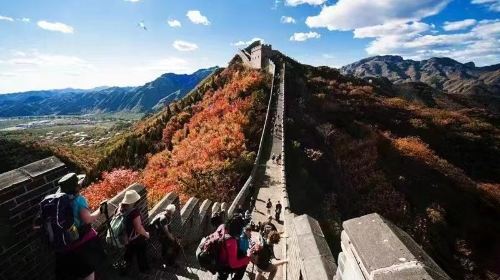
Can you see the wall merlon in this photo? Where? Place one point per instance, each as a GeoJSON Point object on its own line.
{"type": "Point", "coordinates": [314, 253]}
{"type": "Point", "coordinates": [190, 209]}
{"type": "Point", "coordinates": [41, 167]}
{"type": "Point", "coordinates": [380, 250]}
{"type": "Point", "coordinates": [12, 178]}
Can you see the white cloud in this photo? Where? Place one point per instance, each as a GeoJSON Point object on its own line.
{"type": "Point", "coordinates": [493, 5]}
{"type": "Point", "coordinates": [197, 18]}
{"type": "Point", "coordinates": [300, 2]}
{"type": "Point", "coordinates": [55, 26]}
{"type": "Point", "coordinates": [394, 28]}
{"type": "Point", "coordinates": [458, 25]}
{"type": "Point", "coordinates": [57, 70]}
{"type": "Point", "coordinates": [348, 14]}
{"type": "Point", "coordinates": [246, 43]}
{"type": "Point", "coordinates": [25, 19]}
{"type": "Point", "coordinates": [133, 1]}
{"type": "Point", "coordinates": [184, 46]}
{"type": "Point", "coordinates": [286, 19]}
{"type": "Point", "coordinates": [174, 23]}
{"type": "Point", "coordinates": [481, 44]}
{"type": "Point", "coordinates": [301, 36]}
{"type": "Point", "coordinates": [6, 18]}
{"type": "Point", "coordinates": [34, 58]}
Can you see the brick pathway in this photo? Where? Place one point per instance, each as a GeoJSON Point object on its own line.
{"type": "Point", "coordinates": [268, 184]}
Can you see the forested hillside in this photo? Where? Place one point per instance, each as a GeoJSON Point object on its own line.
{"type": "Point", "coordinates": [355, 147]}
{"type": "Point", "coordinates": [203, 145]}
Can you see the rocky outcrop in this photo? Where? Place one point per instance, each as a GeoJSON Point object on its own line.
{"type": "Point", "coordinates": [439, 72]}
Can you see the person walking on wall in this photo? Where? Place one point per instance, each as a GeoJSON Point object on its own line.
{"type": "Point", "coordinates": [264, 253]}
{"type": "Point", "coordinates": [230, 255]}
{"type": "Point", "coordinates": [80, 259]}
{"type": "Point", "coordinates": [278, 208]}
{"type": "Point", "coordinates": [170, 247]}
{"type": "Point", "coordinates": [136, 234]}
{"type": "Point", "coordinates": [253, 199]}
{"type": "Point", "coordinates": [269, 205]}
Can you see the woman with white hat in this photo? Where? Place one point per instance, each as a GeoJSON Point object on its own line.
{"type": "Point", "coordinates": [136, 234]}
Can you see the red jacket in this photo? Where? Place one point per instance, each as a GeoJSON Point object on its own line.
{"type": "Point", "coordinates": [229, 255]}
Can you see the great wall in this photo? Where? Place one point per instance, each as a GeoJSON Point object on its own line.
{"type": "Point", "coordinates": [372, 247]}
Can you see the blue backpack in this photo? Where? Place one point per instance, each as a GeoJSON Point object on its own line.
{"type": "Point", "coordinates": [56, 213]}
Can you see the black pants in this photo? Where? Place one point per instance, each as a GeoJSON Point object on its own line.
{"type": "Point", "coordinates": [238, 274]}
{"type": "Point", "coordinates": [137, 248]}
{"type": "Point", "coordinates": [79, 262]}
{"type": "Point", "coordinates": [169, 250]}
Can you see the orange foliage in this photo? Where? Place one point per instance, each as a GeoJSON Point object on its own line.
{"type": "Point", "coordinates": [207, 151]}
{"type": "Point", "coordinates": [110, 184]}
{"type": "Point", "coordinates": [416, 148]}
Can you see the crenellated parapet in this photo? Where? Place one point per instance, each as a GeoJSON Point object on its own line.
{"type": "Point", "coordinates": [23, 254]}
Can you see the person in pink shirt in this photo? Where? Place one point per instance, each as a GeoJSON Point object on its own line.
{"type": "Point", "coordinates": [230, 255]}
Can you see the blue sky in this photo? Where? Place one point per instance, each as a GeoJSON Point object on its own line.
{"type": "Point", "coordinates": [88, 43]}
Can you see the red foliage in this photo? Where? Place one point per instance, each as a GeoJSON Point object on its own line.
{"type": "Point", "coordinates": [110, 184]}
{"type": "Point", "coordinates": [207, 148]}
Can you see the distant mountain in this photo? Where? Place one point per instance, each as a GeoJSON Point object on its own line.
{"type": "Point", "coordinates": [439, 72]}
{"type": "Point", "coordinates": [146, 98]}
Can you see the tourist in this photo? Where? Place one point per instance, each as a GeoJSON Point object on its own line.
{"type": "Point", "coordinates": [278, 208]}
{"type": "Point", "coordinates": [170, 247]}
{"type": "Point", "coordinates": [269, 205]}
{"type": "Point", "coordinates": [248, 217]}
{"type": "Point", "coordinates": [239, 210]}
{"type": "Point", "coordinates": [80, 259]}
{"type": "Point", "coordinates": [235, 263]}
{"type": "Point", "coordinates": [253, 199]}
{"type": "Point", "coordinates": [267, 227]}
{"type": "Point", "coordinates": [136, 234]}
{"type": "Point", "coordinates": [263, 255]}
{"type": "Point", "coordinates": [245, 241]}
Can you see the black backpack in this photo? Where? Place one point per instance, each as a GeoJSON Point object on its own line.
{"type": "Point", "coordinates": [56, 215]}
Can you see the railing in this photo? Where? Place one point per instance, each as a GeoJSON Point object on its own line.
{"type": "Point", "coordinates": [243, 193]}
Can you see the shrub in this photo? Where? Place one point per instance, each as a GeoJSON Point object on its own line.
{"type": "Point", "coordinates": [110, 184]}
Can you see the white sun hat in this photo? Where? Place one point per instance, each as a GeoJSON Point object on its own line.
{"type": "Point", "coordinates": [131, 197]}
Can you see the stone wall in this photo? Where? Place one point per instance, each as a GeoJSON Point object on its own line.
{"type": "Point", "coordinates": [307, 251]}
{"type": "Point", "coordinates": [242, 195]}
{"type": "Point", "coordinates": [24, 255]}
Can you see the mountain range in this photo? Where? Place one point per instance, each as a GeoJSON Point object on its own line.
{"type": "Point", "coordinates": [441, 73]}
{"type": "Point", "coordinates": [141, 99]}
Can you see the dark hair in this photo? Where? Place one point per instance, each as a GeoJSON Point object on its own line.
{"type": "Point", "coordinates": [235, 225]}
{"type": "Point", "coordinates": [274, 237]}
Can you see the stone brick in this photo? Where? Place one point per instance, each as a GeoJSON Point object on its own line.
{"type": "Point", "coordinates": [12, 192]}
{"type": "Point", "coordinates": [35, 193]}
